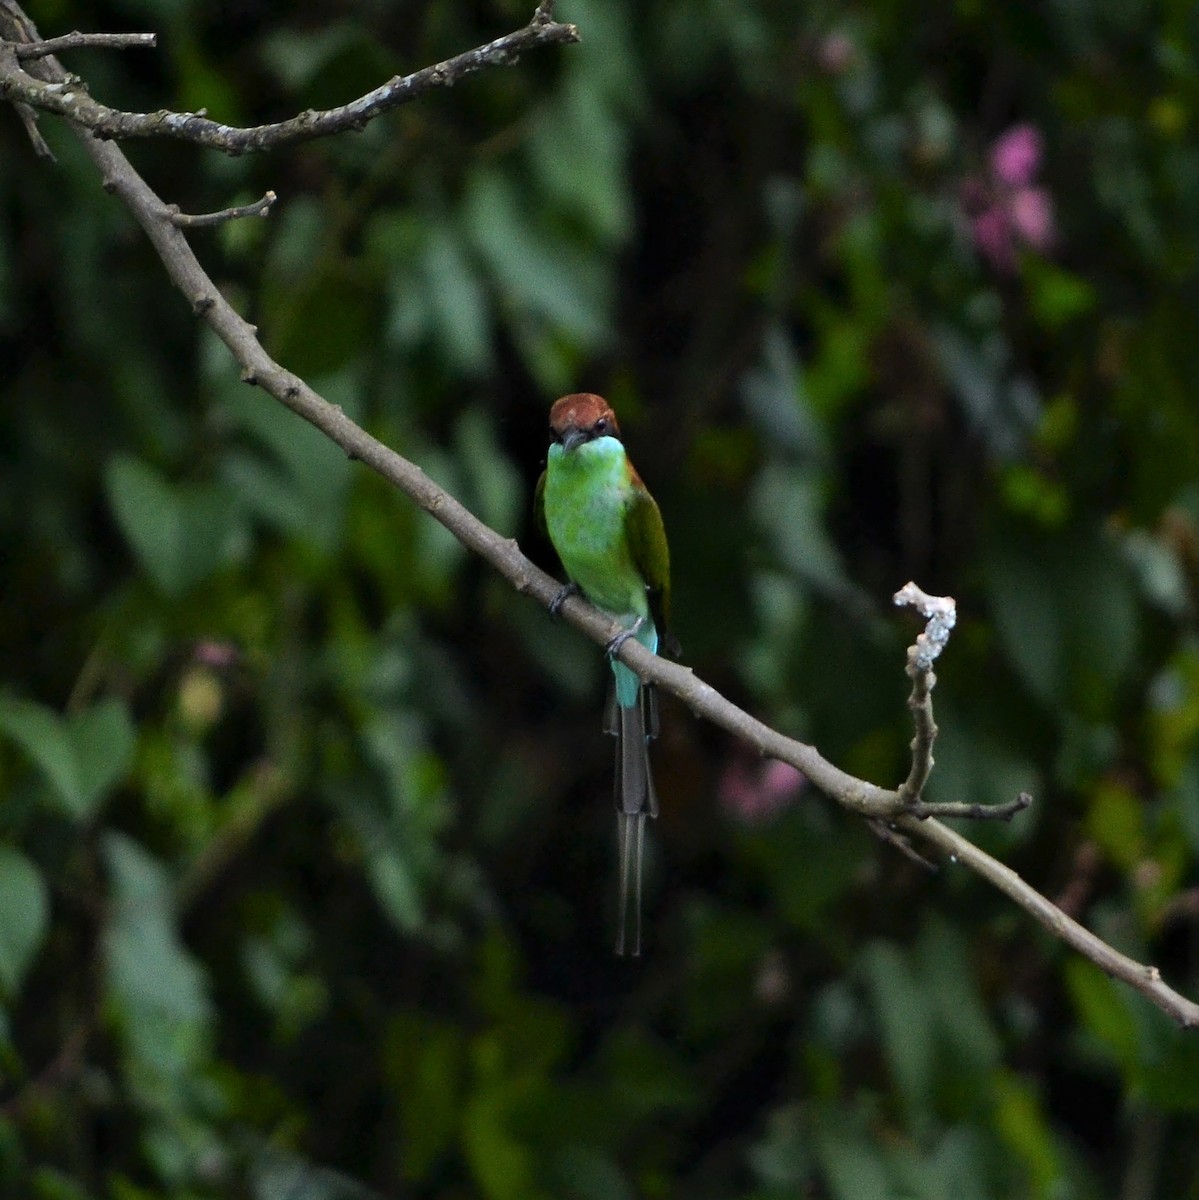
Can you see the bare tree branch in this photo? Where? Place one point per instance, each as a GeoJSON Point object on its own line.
{"type": "Point", "coordinates": [1144, 978]}
{"type": "Point", "coordinates": [972, 812]}
{"type": "Point", "coordinates": [17, 29]}
{"type": "Point", "coordinates": [77, 40]}
{"type": "Point", "coordinates": [902, 843]}
{"type": "Point", "coordinates": [893, 809]}
{"type": "Point", "coordinates": [259, 208]}
{"type": "Point", "coordinates": [67, 97]}
{"type": "Point", "coordinates": [920, 702]}
{"type": "Point", "coordinates": [941, 615]}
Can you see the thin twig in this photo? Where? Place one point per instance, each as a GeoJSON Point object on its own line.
{"type": "Point", "coordinates": [940, 612]}
{"type": "Point", "coordinates": [972, 812]}
{"type": "Point", "coordinates": [77, 41]}
{"type": "Point", "coordinates": [903, 844]}
{"type": "Point", "coordinates": [68, 98]}
{"type": "Point", "coordinates": [181, 220]}
{"type": "Point", "coordinates": [920, 703]}
{"type": "Point", "coordinates": [1144, 978]}
{"type": "Point", "coordinates": [16, 29]}
{"type": "Point", "coordinates": [941, 615]}
{"type": "Point", "coordinates": [29, 121]}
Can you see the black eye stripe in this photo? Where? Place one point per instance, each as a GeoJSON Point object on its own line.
{"type": "Point", "coordinates": [603, 427]}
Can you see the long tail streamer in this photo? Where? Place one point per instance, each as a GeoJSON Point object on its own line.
{"type": "Point", "coordinates": [635, 800]}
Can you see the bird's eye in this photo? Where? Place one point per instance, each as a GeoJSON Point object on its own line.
{"type": "Point", "coordinates": [601, 426]}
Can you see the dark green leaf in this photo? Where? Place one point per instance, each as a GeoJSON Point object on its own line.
{"type": "Point", "coordinates": [24, 914]}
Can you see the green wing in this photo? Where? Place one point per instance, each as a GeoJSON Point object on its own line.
{"type": "Point", "coordinates": [539, 507]}
{"type": "Point", "coordinates": [651, 556]}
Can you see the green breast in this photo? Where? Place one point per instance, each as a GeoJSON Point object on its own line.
{"type": "Point", "coordinates": [587, 493]}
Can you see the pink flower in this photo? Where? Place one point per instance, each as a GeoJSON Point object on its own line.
{"type": "Point", "coordinates": [1032, 216]}
{"type": "Point", "coordinates": [758, 792]}
{"type": "Point", "coordinates": [1016, 156]}
{"type": "Point", "coordinates": [1007, 212]}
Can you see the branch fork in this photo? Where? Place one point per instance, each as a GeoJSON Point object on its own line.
{"type": "Point", "coordinates": [940, 613]}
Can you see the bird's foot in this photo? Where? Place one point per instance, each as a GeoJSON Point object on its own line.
{"type": "Point", "coordinates": [568, 590]}
{"type": "Point", "coordinates": [613, 647]}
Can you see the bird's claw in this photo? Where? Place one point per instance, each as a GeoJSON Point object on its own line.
{"type": "Point", "coordinates": [613, 647]}
{"type": "Point", "coordinates": [568, 590]}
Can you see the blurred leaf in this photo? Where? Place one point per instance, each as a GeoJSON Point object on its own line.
{"type": "Point", "coordinates": [104, 739]}
{"type": "Point", "coordinates": [82, 756]}
{"type": "Point", "coordinates": [783, 1157]}
{"type": "Point", "coordinates": [1116, 821]}
{"type": "Point", "coordinates": [584, 1172]}
{"type": "Point", "coordinates": [776, 400]}
{"type": "Point", "coordinates": [496, 487]}
{"type": "Point", "coordinates": [1066, 611]}
{"type": "Point", "coordinates": [1165, 1079]}
{"type": "Point", "coordinates": [1104, 1011]}
{"type": "Point", "coordinates": [324, 320]}
{"type": "Point", "coordinates": [1057, 296]}
{"type": "Point", "coordinates": [1158, 571]}
{"type": "Point", "coordinates": [804, 897]}
{"type": "Point", "coordinates": [578, 150]}
{"type": "Point", "coordinates": [999, 405]}
{"type": "Point", "coordinates": [425, 1061]}
{"type": "Point", "coordinates": [547, 275]}
{"type": "Point", "coordinates": [903, 1011]}
{"type": "Point", "coordinates": [158, 989]}
{"type": "Point", "coordinates": [1021, 1122]}
{"type": "Point", "coordinates": [948, 976]}
{"type": "Point", "coordinates": [42, 734]}
{"type": "Point", "coordinates": [957, 1169]}
{"type": "Point", "coordinates": [278, 1175]}
{"type": "Point", "coordinates": [180, 534]}
{"type": "Point", "coordinates": [297, 57]}
{"type": "Point", "coordinates": [300, 483]}
{"type": "Point", "coordinates": [24, 917]}
{"type": "Point", "coordinates": [851, 1164]}
{"type": "Point", "coordinates": [201, 87]}
{"type": "Point", "coordinates": [977, 763]}
{"type": "Point", "coordinates": [788, 502]}
{"type": "Point", "coordinates": [647, 1075]}
{"type": "Point", "coordinates": [50, 1184]}
{"type": "Point", "coordinates": [457, 301]}
{"type": "Point", "coordinates": [501, 1162]}
{"type": "Point", "coordinates": [1023, 610]}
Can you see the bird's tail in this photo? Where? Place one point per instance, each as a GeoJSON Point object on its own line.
{"type": "Point", "coordinates": [633, 726]}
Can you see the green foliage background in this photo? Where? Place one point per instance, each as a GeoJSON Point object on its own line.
{"type": "Point", "coordinates": [306, 854]}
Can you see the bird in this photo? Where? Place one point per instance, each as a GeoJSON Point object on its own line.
{"type": "Point", "coordinates": [608, 533]}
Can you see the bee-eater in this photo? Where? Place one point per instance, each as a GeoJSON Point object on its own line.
{"type": "Point", "coordinates": [608, 533]}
